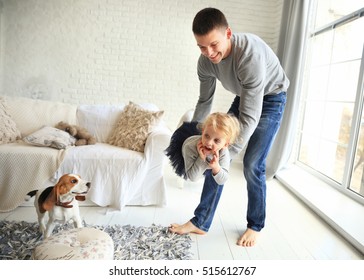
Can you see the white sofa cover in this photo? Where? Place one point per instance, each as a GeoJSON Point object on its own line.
{"type": "Point", "coordinates": [118, 176]}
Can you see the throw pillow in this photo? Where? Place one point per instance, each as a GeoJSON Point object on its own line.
{"type": "Point", "coordinates": [133, 127]}
{"type": "Point", "coordinates": [8, 129]}
{"type": "Point", "coordinates": [52, 137]}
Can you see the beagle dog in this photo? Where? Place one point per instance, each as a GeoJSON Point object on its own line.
{"type": "Point", "coordinates": [60, 201]}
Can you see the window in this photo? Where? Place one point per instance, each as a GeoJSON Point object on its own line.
{"type": "Point", "coordinates": [331, 135]}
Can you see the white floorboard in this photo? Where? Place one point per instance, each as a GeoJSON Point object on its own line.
{"type": "Point", "coordinates": [292, 231]}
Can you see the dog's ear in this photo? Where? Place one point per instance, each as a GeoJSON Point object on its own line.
{"type": "Point", "coordinates": [80, 197]}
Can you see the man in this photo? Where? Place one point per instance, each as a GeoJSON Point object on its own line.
{"type": "Point", "coordinates": [248, 68]}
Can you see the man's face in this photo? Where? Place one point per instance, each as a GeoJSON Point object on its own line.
{"type": "Point", "coordinates": [215, 45]}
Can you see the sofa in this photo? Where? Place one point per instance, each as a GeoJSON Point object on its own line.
{"type": "Point", "coordinates": [125, 166]}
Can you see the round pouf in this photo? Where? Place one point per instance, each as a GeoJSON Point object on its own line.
{"type": "Point", "coordinates": [76, 244]}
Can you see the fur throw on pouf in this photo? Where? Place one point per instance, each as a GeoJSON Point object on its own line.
{"type": "Point", "coordinates": [83, 137]}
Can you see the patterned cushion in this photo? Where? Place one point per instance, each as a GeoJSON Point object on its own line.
{"type": "Point", "coordinates": [76, 244]}
{"type": "Point", "coordinates": [8, 129]}
{"type": "Point", "coordinates": [52, 137]}
{"type": "Point", "coordinates": [134, 126]}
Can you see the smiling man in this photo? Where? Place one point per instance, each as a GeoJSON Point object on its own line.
{"type": "Point", "coordinates": [248, 68]}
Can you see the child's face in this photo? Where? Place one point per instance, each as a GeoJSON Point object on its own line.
{"type": "Point", "coordinates": [213, 140]}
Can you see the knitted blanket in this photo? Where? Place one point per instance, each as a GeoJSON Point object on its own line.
{"type": "Point", "coordinates": [25, 168]}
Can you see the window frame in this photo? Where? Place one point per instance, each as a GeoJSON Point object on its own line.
{"type": "Point", "coordinates": [343, 186]}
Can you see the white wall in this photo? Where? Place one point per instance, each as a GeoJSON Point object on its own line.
{"type": "Point", "coordinates": [113, 51]}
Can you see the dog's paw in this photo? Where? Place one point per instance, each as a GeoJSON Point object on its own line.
{"type": "Point", "coordinates": [42, 229]}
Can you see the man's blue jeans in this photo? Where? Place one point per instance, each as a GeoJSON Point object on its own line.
{"type": "Point", "coordinates": [254, 167]}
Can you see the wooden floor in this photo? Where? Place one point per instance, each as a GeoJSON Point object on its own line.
{"type": "Point", "coordinates": [292, 231]}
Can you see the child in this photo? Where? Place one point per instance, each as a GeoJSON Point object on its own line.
{"type": "Point", "coordinates": [201, 152]}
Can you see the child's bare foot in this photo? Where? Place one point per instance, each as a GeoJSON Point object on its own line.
{"type": "Point", "coordinates": [248, 238]}
{"type": "Point", "coordinates": [185, 228]}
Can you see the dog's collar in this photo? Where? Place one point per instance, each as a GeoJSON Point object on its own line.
{"type": "Point", "coordinates": [64, 204]}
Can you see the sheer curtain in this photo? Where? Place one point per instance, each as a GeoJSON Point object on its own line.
{"type": "Point", "coordinates": [291, 53]}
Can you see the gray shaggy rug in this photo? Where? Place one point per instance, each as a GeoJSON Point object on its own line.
{"type": "Point", "coordinates": [18, 239]}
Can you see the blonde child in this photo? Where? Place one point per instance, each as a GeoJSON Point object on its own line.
{"type": "Point", "coordinates": [208, 151]}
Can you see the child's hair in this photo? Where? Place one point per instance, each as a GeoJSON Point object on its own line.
{"type": "Point", "coordinates": [207, 20]}
{"type": "Point", "coordinates": [226, 123]}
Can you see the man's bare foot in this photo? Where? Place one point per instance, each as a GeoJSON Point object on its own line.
{"type": "Point", "coordinates": [249, 238]}
{"type": "Point", "coordinates": [185, 229]}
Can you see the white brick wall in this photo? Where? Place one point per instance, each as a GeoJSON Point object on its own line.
{"type": "Point", "coordinates": [111, 51]}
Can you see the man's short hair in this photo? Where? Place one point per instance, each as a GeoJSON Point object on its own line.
{"type": "Point", "coordinates": [207, 20]}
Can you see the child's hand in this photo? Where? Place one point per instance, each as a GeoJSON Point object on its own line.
{"type": "Point", "coordinates": [201, 150]}
{"type": "Point", "coordinates": [214, 163]}
{"type": "Point", "coordinates": [211, 159]}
